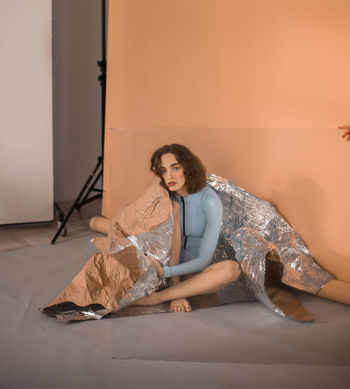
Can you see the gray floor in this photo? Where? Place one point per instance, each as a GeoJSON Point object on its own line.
{"type": "Point", "coordinates": [16, 236]}
{"type": "Point", "coordinates": [235, 346]}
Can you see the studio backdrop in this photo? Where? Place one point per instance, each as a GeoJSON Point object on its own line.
{"type": "Point", "coordinates": [26, 165]}
{"type": "Point", "coordinates": [255, 88]}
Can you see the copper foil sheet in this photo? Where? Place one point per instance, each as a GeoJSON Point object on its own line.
{"type": "Point", "coordinates": [121, 273]}
{"type": "Point", "coordinates": [100, 289]}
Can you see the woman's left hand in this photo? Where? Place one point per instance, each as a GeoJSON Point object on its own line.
{"type": "Point", "coordinates": [159, 268]}
{"type": "Point", "coordinates": [346, 128]}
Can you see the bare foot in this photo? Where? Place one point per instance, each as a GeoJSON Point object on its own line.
{"type": "Point", "coordinates": [152, 299]}
{"type": "Point", "coordinates": [180, 305]}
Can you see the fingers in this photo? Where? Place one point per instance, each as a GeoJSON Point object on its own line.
{"type": "Point", "coordinates": [158, 266]}
{"type": "Point", "coordinates": [346, 135]}
{"type": "Point", "coordinates": [180, 305]}
{"type": "Point", "coordinates": [153, 261]}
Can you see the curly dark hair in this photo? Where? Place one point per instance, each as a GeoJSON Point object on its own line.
{"type": "Point", "coordinates": [194, 170]}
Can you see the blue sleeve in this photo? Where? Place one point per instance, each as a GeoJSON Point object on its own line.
{"type": "Point", "coordinates": [213, 212]}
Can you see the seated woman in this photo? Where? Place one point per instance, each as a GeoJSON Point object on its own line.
{"type": "Point", "coordinates": [108, 280]}
{"type": "Point", "coordinates": [200, 212]}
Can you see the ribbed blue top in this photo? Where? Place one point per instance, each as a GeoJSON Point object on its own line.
{"type": "Point", "coordinates": [201, 217]}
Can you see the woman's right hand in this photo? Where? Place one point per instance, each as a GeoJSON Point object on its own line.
{"type": "Point", "coordinates": [158, 267]}
{"type": "Point", "coordinates": [180, 305]}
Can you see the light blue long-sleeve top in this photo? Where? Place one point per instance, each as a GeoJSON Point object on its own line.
{"type": "Point", "coordinates": [201, 217]}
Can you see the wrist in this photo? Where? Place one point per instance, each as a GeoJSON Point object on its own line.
{"type": "Point", "coordinates": [166, 272]}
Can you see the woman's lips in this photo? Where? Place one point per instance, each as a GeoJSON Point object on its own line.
{"type": "Point", "coordinates": [170, 184]}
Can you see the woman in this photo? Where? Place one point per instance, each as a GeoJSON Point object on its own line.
{"type": "Point", "coordinates": [200, 212]}
{"type": "Point", "coordinates": [121, 273]}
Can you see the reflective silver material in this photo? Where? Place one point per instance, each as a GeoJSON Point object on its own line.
{"type": "Point", "coordinates": [156, 243]}
{"type": "Point", "coordinates": [251, 229]}
{"type": "Point", "coordinates": [82, 314]}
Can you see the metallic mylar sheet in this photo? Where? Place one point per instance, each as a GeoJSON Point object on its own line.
{"type": "Point", "coordinates": [156, 243]}
{"type": "Point", "coordinates": [252, 228]}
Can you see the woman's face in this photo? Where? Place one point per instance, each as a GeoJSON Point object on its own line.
{"type": "Point", "coordinates": [173, 174]}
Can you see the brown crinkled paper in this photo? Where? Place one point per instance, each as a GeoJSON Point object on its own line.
{"type": "Point", "coordinates": [116, 275]}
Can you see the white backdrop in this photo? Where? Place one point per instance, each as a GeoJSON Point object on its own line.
{"type": "Point", "coordinates": [26, 151]}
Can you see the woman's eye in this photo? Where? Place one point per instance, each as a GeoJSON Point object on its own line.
{"type": "Point", "coordinates": [162, 171]}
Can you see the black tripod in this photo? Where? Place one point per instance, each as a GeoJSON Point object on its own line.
{"type": "Point", "coordinates": [90, 184]}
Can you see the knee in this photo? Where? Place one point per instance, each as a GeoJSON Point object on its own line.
{"type": "Point", "coordinates": [230, 271]}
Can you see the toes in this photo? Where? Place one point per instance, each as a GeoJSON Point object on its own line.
{"type": "Point", "coordinates": [186, 307]}
{"type": "Point", "coordinates": [180, 306]}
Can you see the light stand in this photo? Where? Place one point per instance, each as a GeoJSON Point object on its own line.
{"type": "Point", "coordinates": [90, 184]}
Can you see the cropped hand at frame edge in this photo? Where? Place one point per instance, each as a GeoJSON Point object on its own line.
{"type": "Point", "coordinates": [346, 134]}
{"type": "Point", "coordinates": [159, 268]}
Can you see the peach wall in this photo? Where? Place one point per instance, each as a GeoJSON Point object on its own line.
{"type": "Point", "coordinates": [255, 87]}
{"type": "Point", "coordinates": [229, 63]}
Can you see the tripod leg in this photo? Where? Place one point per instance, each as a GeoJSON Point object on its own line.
{"type": "Point", "coordinates": [60, 216]}
{"type": "Point", "coordinates": [76, 202]}
{"type": "Point", "coordinates": [85, 199]}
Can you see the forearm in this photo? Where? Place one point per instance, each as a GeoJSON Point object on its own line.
{"type": "Point", "coordinates": [192, 266]}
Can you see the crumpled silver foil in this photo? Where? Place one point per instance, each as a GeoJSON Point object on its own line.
{"type": "Point", "coordinates": [252, 228]}
{"type": "Point", "coordinates": [157, 244]}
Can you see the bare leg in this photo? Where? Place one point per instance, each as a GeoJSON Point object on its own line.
{"type": "Point", "coordinates": [210, 280]}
